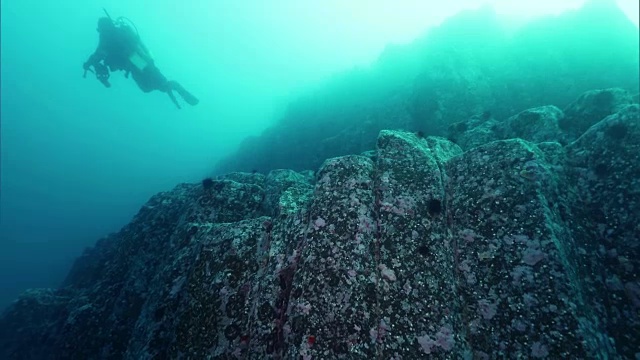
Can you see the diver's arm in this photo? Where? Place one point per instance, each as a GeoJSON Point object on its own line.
{"type": "Point", "coordinates": [95, 58]}
{"type": "Point", "coordinates": [97, 55]}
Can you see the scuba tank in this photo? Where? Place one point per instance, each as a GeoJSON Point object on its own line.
{"type": "Point", "coordinates": [123, 22]}
{"type": "Point", "coordinates": [140, 56]}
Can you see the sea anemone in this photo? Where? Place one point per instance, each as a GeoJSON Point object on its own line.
{"type": "Point", "coordinates": [207, 183]}
{"type": "Point", "coordinates": [434, 206]}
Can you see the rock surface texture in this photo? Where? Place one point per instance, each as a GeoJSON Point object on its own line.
{"type": "Point", "coordinates": [518, 247]}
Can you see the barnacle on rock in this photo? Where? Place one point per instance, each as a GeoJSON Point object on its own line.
{"type": "Point", "coordinates": [528, 174]}
{"type": "Point", "coordinates": [531, 170]}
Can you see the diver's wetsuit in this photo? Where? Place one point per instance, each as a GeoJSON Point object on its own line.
{"type": "Point", "coordinates": [120, 49]}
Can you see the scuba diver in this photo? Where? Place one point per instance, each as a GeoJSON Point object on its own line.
{"type": "Point", "coordinates": [120, 48]}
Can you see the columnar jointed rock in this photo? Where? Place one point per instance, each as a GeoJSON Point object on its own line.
{"type": "Point", "coordinates": [536, 125]}
{"type": "Point", "coordinates": [510, 249]}
{"type": "Point", "coordinates": [518, 293]}
{"type": "Point", "coordinates": [591, 107]}
{"type": "Point", "coordinates": [604, 166]}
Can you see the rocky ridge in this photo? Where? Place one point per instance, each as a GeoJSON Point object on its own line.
{"type": "Point", "coordinates": [516, 243]}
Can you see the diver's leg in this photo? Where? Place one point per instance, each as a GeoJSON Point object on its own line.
{"type": "Point", "coordinates": [187, 96]}
{"type": "Point", "coordinates": [142, 80]}
{"type": "Point", "coordinates": [173, 98]}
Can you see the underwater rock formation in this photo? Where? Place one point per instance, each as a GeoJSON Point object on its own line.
{"type": "Point", "coordinates": [511, 249]}
{"type": "Point", "coordinates": [541, 124]}
{"type": "Point", "coordinates": [592, 107]}
{"type": "Point", "coordinates": [534, 125]}
{"type": "Point", "coordinates": [468, 65]}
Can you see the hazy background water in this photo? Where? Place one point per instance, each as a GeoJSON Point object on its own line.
{"type": "Point", "coordinates": [78, 160]}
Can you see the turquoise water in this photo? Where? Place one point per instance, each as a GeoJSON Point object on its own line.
{"type": "Point", "coordinates": [78, 159]}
